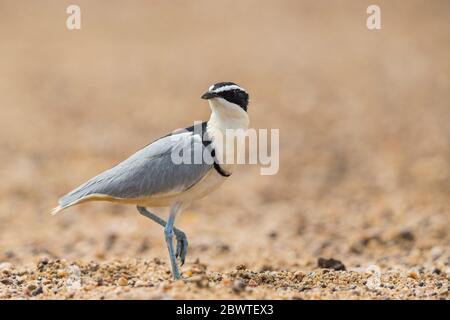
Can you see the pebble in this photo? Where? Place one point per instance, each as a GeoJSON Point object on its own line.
{"type": "Point", "coordinates": [31, 287]}
{"type": "Point", "coordinates": [238, 286]}
{"type": "Point", "coordinates": [62, 273]}
{"type": "Point", "coordinates": [252, 283]}
{"type": "Point", "coordinates": [437, 271]}
{"type": "Point", "coordinates": [5, 266]}
{"type": "Point", "coordinates": [60, 279]}
{"type": "Point", "coordinates": [331, 264]}
{"type": "Point", "coordinates": [200, 280]}
{"type": "Point", "coordinates": [122, 282]}
{"type": "Point", "coordinates": [405, 235]}
{"type": "Point", "coordinates": [89, 287]}
{"type": "Point", "coordinates": [414, 275]}
{"type": "Point", "coordinates": [37, 291]}
{"type": "Point", "coordinates": [139, 283]}
{"type": "Point", "coordinates": [298, 275]}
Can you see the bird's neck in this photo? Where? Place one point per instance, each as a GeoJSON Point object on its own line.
{"type": "Point", "coordinates": [225, 123]}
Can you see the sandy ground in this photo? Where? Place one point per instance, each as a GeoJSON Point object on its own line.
{"type": "Point", "coordinates": [364, 148]}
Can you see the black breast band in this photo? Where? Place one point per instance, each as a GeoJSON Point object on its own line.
{"type": "Point", "coordinates": [217, 166]}
{"type": "Point", "coordinates": [219, 169]}
{"type": "Point", "coordinates": [207, 144]}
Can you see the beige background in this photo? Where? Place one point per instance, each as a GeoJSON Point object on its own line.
{"type": "Point", "coordinates": [363, 118]}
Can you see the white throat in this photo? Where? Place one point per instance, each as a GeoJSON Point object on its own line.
{"type": "Point", "coordinates": [226, 119]}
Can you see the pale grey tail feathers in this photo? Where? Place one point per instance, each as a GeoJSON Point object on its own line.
{"type": "Point", "coordinates": [72, 198]}
{"type": "Point", "coordinates": [64, 205]}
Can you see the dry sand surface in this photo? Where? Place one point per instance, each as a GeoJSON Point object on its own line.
{"type": "Point", "coordinates": [364, 148]}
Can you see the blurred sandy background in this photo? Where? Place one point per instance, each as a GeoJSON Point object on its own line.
{"type": "Point", "coordinates": [363, 117]}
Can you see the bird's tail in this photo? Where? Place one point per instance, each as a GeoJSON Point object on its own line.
{"type": "Point", "coordinates": [56, 210]}
{"type": "Point", "coordinates": [61, 206]}
{"type": "Point", "coordinates": [73, 197]}
{"type": "Point", "coordinates": [85, 192]}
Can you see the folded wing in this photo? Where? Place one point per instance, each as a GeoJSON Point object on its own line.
{"type": "Point", "coordinates": [149, 172]}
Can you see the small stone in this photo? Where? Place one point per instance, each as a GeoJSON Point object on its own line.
{"type": "Point", "coordinates": [42, 263]}
{"type": "Point", "coordinates": [70, 295]}
{"type": "Point", "coordinates": [31, 287]}
{"type": "Point", "coordinates": [273, 235]}
{"type": "Point", "coordinates": [331, 264]}
{"type": "Point", "coordinates": [224, 247]}
{"type": "Point", "coordinates": [252, 283]}
{"type": "Point", "coordinates": [238, 286]}
{"type": "Point", "coordinates": [139, 283]}
{"type": "Point", "coordinates": [89, 287]}
{"type": "Point", "coordinates": [413, 275]}
{"type": "Point", "coordinates": [405, 236]}
{"type": "Point", "coordinates": [122, 282]}
{"type": "Point", "coordinates": [37, 291]}
{"type": "Point", "coordinates": [298, 275]}
{"type": "Point", "coordinates": [99, 281]}
{"type": "Point", "coordinates": [93, 266]}
{"type": "Point", "coordinates": [62, 273]}
{"type": "Point", "coordinates": [437, 271]}
{"type": "Point", "coordinates": [166, 286]}
{"type": "Point", "coordinates": [5, 266]}
{"type": "Point", "coordinates": [100, 254]}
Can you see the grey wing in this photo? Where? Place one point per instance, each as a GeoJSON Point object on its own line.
{"type": "Point", "coordinates": [150, 171]}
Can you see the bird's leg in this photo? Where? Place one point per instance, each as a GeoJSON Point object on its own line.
{"type": "Point", "coordinates": [182, 242]}
{"type": "Point", "coordinates": [168, 232]}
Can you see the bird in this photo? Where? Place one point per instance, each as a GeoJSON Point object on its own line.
{"type": "Point", "coordinates": [151, 178]}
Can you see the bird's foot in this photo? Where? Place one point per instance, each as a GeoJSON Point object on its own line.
{"type": "Point", "coordinates": [182, 245]}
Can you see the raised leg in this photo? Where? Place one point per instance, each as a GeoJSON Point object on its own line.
{"type": "Point", "coordinates": [182, 242]}
{"type": "Point", "coordinates": [168, 232]}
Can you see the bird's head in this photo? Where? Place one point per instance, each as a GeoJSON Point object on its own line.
{"type": "Point", "coordinates": [227, 95]}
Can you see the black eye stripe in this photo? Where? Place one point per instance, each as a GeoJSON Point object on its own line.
{"type": "Point", "coordinates": [234, 93]}
{"type": "Point", "coordinates": [235, 96]}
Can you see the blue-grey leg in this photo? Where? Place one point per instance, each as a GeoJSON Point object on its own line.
{"type": "Point", "coordinates": [168, 232]}
{"type": "Point", "coordinates": [182, 243]}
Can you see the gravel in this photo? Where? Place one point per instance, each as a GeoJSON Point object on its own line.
{"type": "Point", "coordinates": [116, 279]}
